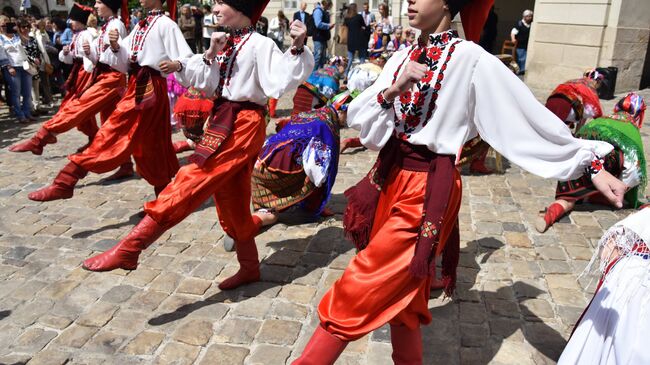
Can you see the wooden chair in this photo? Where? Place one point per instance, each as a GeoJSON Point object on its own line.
{"type": "Point", "coordinates": [509, 47]}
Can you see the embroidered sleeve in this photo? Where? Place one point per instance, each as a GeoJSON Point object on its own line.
{"type": "Point", "coordinates": [382, 101]}
{"type": "Point", "coordinates": [595, 167]}
{"type": "Point", "coordinates": [508, 116]}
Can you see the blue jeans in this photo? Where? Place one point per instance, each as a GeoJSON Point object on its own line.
{"type": "Point", "coordinates": [21, 85]}
{"type": "Point", "coordinates": [320, 54]}
{"type": "Point", "coordinates": [362, 59]}
{"type": "Point", "coordinates": [521, 59]}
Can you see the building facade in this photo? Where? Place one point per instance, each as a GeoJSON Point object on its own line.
{"type": "Point", "coordinates": [567, 36]}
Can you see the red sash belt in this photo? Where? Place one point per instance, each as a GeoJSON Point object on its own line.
{"type": "Point", "coordinates": [363, 199]}
{"type": "Point", "coordinates": [220, 126]}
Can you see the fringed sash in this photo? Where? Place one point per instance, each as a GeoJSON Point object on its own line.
{"type": "Point", "coordinates": [145, 96]}
{"type": "Point", "coordinates": [364, 197]}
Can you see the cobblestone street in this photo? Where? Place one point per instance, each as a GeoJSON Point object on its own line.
{"type": "Point", "coordinates": [517, 298]}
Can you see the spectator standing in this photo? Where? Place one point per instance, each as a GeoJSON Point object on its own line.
{"type": "Point", "coordinates": [209, 25]}
{"type": "Point", "coordinates": [66, 36]}
{"type": "Point", "coordinates": [277, 28]}
{"type": "Point", "coordinates": [34, 60]}
{"type": "Point", "coordinates": [61, 72]}
{"type": "Point", "coordinates": [49, 27]}
{"type": "Point", "coordinates": [321, 32]}
{"type": "Point", "coordinates": [198, 26]}
{"type": "Point", "coordinates": [262, 26]}
{"type": "Point", "coordinates": [519, 34]}
{"type": "Point", "coordinates": [386, 21]}
{"type": "Point", "coordinates": [46, 68]}
{"type": "Point", "coordinates": [305, 18]}
{"type": "Point", "coordinates": [135, 17]}
{"type": "Point", "coordinates": [91, 25]}
{"type": "Point", "coordinates": [20, 82]}
{"type": "Point", "coordinates": [356, 35]}
{"type": "Point", "coordinates": [186, 23]}
{"type": "Point", "coordinates": [370, 21]}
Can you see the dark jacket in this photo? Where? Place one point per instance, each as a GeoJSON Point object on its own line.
{"type": "Point", "coordinates": [356, 33]}
{"type": "Point", "coordinates": [321, 34]}
{"type": "Point", "coordinates": [309, 22]}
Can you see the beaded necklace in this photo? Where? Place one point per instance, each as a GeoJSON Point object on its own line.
{"type": "Point", "coordinates": [226, 58]}
{"type": "Point", "coordinates": [141, 32]}
{"type": "Point", "coordinates": [101, 46]}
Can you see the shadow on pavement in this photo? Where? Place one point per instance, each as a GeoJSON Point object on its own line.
{"type": "Point", "coordinates": [504, 310]}
{"type": "Point", "coordinates": [293, 259]}
{"type": "Point", "coordinates": [133, 219]}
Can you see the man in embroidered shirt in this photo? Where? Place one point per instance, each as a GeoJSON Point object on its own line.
{"type": "Point", "coordinates": [427, 102]}
{"type": "Point", "coordinates": [139, 125]}
{"type": "Point", "coordinates": [97, 92]}
{"type": "Point", "coordinates": [242, 70]}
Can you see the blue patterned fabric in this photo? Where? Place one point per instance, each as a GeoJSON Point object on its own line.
{"type": "Point", "coordinates": [326, 80]}
{"type": "Point", "coordinates": [320, 126]}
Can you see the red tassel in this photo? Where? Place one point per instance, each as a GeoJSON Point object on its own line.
{"type": "Point", "coordinates": [419, 267]}
{"type": "Point", "coordinates": [356, 228]}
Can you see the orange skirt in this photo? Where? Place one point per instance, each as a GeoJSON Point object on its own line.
{"type": "Point", "coordinates": [376, 287]}
{"type": "Point", "coordinates": [101, 96]}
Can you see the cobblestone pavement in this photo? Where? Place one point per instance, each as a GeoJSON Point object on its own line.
{"type": "Point", "coordinates": [517, 299]}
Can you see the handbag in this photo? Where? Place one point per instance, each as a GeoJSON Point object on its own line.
{"type": "Point", "coordinates": [30, 68]}
{"type": "Point", "coordinates": [343, 34]}
{"type": "Point", "coordinates": [48, 69]}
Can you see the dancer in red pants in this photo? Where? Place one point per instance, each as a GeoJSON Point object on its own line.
{"type": "Point", "coordinates": [429, 100]}
{"type": "Point", "coordinates": [243, 70]}
{"type": "Point", "coordinates": [139, 125]}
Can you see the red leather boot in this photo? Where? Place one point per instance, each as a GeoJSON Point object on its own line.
{"type": "Point", "coordinates": [36, 143]}
{"type": "Point", "coordinates": [63, 185]}
{"type": "Point", "coordinates": [322, 349]}
{"type": "Point", "coordinates": [125, 254]}
{"type": "Point", "coordinates": [249, 266]}
{"type": "Point", "coordinates": [273, 103]}
{"type": "Point", "coordinates": [553, 213]}
{"type": "Point", "coordinates": [350, 143]}
{"type": "Point", "coordinates": [125, 171]}
{"type": "Point", "coordinates": [182, 146]}
{"type": "Point", "coordinates": [407, 345]}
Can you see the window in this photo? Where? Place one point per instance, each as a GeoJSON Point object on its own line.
{"type": "Point", "coordinates": [291, 4]}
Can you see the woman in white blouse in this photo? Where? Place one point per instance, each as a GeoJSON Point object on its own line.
{"type": "Point", "coordinates": [19, 80]}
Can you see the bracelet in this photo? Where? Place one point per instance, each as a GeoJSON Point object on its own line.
{"type": "Point", "coordinates": [597, 165]}
{"type": "Point", "coordinates": [115, 50]}
{"type": "Point", "coordinates": [207, 61]}
{"type": "Point", "coordinates": [180, 66]}
{"type": "Point", "coordinates": [297, 51]}
{"type": "Point", "coordinates": [382, 101]}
